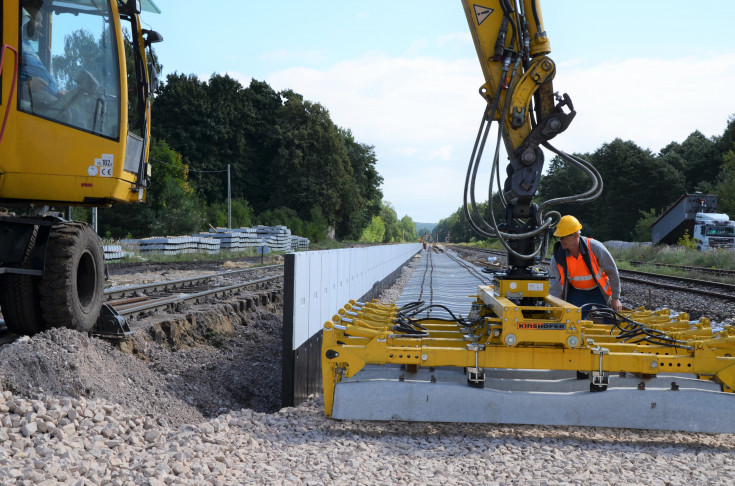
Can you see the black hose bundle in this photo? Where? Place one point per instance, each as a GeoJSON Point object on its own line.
{"type": "Point", "coordinates": [633, 331]}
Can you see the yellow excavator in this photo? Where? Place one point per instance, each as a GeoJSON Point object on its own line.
{"type": "Point", "coordinates": [75, 132]}
{"type": "Point", "coordinates": [507, 357]}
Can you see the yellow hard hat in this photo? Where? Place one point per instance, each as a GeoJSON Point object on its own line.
{"type": "Point", "coordinates": [567, 225]}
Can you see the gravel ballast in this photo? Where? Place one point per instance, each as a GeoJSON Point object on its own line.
{"type": "Point", "coordinates": [78, 410]}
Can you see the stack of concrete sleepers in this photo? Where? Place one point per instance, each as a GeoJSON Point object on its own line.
{"type": "Point", "coordinates": [168, 245]}
{"type": "Point", "coordinates": [248, 237]}
{"type": "Point", "coordinates": [207, 244]}
{"type": "Point", "coordinates": [278, 238]}
{"type": "Point", "coordinates": [299, 243]}
{"type": "Point", "coordinates": [228, 240]}
{"type": "Point", "coordinates": [113, 252]}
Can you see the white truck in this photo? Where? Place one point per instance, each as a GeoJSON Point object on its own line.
{"type": "Point", "coordinates": [696, 214]}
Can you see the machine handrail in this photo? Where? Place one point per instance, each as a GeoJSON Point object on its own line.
{"type": "Point", "coordinates": [12, 86]}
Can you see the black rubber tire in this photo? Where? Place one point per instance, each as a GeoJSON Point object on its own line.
{"type": "Point", "coordinates": [19, 298]}
{"type": "Point", "coordinates": [19, 301]}
{"type": "Point", "coordinates": [73, 286]}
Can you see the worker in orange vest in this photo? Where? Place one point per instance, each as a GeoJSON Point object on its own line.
{"type": "Point", "coordinates": [582, 271]}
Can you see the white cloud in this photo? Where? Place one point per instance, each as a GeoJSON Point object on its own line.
{"type": "Point", "coordinates": [417, 46]}
{"type": "Point", "coordinates": [296, 55]}
{"type": "Point", "coordinates": [422, 113]}
{"type": "Point", "coordinates": [392, 99]}
{"type": "Point", "coordinates": [442, 153]}
{"type": "Point", "coordinates": [413, 110]}
{"type": "Point", "coordinates": [460, 38]}
{"type": "Point", "coordinates": [649, 101]}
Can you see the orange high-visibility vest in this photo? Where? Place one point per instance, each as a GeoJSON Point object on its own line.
{"type": "Point", "coordinates": [576, 272]}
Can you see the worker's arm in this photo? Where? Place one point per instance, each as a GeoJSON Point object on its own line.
{"type": "Point", "coordinates": [607, 263]}
{"type": "Point", "coordinates": [555, 288]}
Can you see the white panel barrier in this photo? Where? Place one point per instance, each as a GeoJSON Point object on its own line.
{"type": "Point", "coordinates": [320, 278]}
{"type": "Point", "coordinates": [318, 284]}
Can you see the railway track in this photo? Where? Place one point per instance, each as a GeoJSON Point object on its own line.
{"type": "Point", "coordinates": [133, 301]}
{"type": "Point", "coordinates": [700, 270]}
{"type": "Point", "coordinates": [691, 285]}
{"type": "Point", "coordinates": [146, 299]}
{"type": "Point", "coordinates": [719, 290]}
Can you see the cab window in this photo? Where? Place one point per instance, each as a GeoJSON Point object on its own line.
{"type": "Point", "coordinates": [69, 64]}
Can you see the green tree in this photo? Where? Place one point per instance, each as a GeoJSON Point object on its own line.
{"type": "Point", "coordinates": [726, 142]}
{"type": "Point", "coordinates": [642, 229]}
{"type": "Point", "coordinates": [311, 166]}
{"type": "Point", "coordinates": [141, 220]}
{"type": "Point", "coordinates": [283, 216]}
{"type": "Point", "coordinates": [180, 213]}
{"type": "Point", "coordinates": [459, 228]}
{"type": "Point", "coordinates": [702, 159]}
{"type": "Point", "coordinates": [316, 227]}
{"type": "Point", "coordinates": [182, 115]}
{"type": "Point", "coordinates": [408, 229]}
{"type": "Point", "coordinates": [241, 214]}
{"type": "Point", "coordinates": [283, 151]}
{"type": "Point", "coordinates": [687, 241]}
{"type": "Point", "coordinates": [634, 180]}
{"type": "Point", "coordinates": [375, 231]}
{"type": "Point", "coordinates": [389, 217]}
{"type": "Point", "coordinates": [725, 188]}
{"type": "Point", "coordinates": [367, 180]}
{"type": "Point", "coordinates": [167, 164]}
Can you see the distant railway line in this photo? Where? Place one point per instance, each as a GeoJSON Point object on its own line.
{"type": "Point", "coordinates": [719, 290]}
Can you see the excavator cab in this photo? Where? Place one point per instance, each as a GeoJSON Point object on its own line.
{"type": "Point", "coordinates": [70, 138]}
{"type": "Point", "coordinates": [75, 109]}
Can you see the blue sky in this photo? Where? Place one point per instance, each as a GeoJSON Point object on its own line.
{"type": "Point", "coordinates": [403, 75]}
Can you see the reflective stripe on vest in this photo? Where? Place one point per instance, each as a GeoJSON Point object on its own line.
{"type": "Point", "coordinates": [579, 275]}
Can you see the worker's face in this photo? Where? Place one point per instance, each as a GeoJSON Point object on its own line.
{"type": "Point", "coordinates": [570, 241]}
{"type": "Point", "coordinates": [35, 24]}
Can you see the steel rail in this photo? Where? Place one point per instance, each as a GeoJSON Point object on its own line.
{"type": "Point", "coordinates": [686, 280]}
{"type": "Point", "coordinates": [472, 270]}
{"type": "Point", "coordinates": [167, 303]}
{"type": "Point", "coordinates": [712, 271]}
{"type": "Point", "coordinates": [170, 285]}
{"type": "Point", "coordinates": [672, 286]}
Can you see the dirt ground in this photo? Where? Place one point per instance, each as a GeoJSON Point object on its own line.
{"type": "Point", "coordinates": [179, 368]}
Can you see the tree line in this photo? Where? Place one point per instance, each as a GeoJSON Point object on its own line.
{"type": "Point", "coordinates": [638, 185]}
{"type": "Point", "coordinates": [289, 164]}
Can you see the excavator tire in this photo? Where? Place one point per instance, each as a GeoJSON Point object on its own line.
{"type": "Point", "coordinates": [73, 285]}
{"type": "Point", "coordinates": [19, 303]}
{"type": "Point", "coordinates": [19, 299]}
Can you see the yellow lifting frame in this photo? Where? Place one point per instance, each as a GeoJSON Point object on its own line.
{"type": "Point", "coordinates": [350, 343]}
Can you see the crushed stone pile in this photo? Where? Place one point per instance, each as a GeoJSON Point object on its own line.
{"type": "Point", "coordinates": [84, 442]}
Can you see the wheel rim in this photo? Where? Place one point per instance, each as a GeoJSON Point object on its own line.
{"type": "Point", "coordinates": [86, 280]}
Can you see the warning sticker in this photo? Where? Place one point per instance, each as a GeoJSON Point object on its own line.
{"type": "Point", "coordinates": [482, 13]}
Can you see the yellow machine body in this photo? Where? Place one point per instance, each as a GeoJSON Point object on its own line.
{"type": "Point", "coordinates": [74, 132]}
{"type": "Point", "coordinates": [72, 155]}
{"type": "Point", "coordinates": [507, 336]}
{"type": "Point", "coordinates": [486, 20]}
